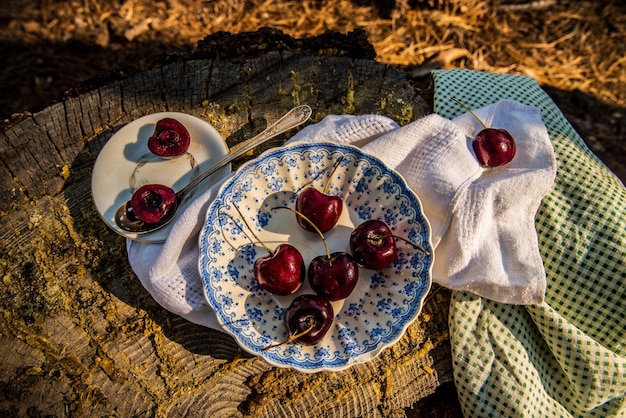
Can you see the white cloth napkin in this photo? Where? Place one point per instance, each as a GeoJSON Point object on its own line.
{"type": "Point", "coordinates": [482, 220]}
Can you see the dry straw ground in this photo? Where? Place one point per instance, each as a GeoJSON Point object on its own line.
{"type": "Point", "coordinates": [575, 49]}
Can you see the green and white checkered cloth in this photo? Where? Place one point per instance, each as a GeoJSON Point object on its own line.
{"type": "Point", "coordinates": [567, 356]}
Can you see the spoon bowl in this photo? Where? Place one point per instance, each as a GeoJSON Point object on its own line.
{"type": "Point", "coordinates": [127, 220]}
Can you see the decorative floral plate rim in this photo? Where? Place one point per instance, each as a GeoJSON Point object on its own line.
{"type": "Point", "coordinates": [125, 163]}
{"type": "Point", "coordinates": [384, 303]}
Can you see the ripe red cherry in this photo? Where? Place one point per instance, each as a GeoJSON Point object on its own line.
{"type": "Point", "coordinates": [170, 139]}
{"type": "Point", "coordinates": [333, 276]}
{"type": "Point", "coordinates": [309, 318]}
{"type": "Point", "coordinates": [493, 147]}
{"type": "Point", "coordinates": [372, 245]}
{"type": "Point", "coordinates": [320, 209]}
{"type": "Point", "coordinates": [282, 271]}
{"type": "Point", "coordinates": [153, 203]}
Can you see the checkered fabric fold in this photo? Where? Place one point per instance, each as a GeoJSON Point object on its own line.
{"type": "Point", "coordinates": [566, 356]}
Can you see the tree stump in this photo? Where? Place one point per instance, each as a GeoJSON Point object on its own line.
{"type": "Point", "coordinates": [79, 335]}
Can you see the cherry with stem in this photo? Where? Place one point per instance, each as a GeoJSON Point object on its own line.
{"type": "Point", "coordinates": [493, 147]}
{"type": "Point", "coordinates": [282, 271]}
{"type": "Point", "coordinates": [321, 209]}
{"type": "Point", "coordinates": [373, 245]}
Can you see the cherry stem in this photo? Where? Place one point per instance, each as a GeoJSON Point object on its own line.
{"type": "Point", "coordinates": [251, 231]}
{"type": "Point", "coordinates": [310, 319]}
{"type": "Point", "coordinates": [331, 175]}
{"type": "Point", "coordinates": [378, 238]}
{"type": "Point", "coordinates": [238, 227]}
{"type": "Point", "coordinates": [432, 294]}
{"type": "Point", "coordinates": [471, 111]}
{"type": "Point", "coordinates": [321, 234]}
{"type": "Point", "coordinates": [222, 229]}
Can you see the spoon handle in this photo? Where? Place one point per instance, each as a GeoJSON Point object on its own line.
{"type": "Point", "coordinates": [296, 116]}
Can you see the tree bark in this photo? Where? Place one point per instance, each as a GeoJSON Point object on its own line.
{"type": "Point", "coordinates": [79, 335]}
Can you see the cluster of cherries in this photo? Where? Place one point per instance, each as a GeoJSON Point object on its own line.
{"type": "Point", "coordinates": [332, 276]}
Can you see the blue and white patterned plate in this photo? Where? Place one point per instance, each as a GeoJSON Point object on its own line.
{"type": "Point", "coordinates": [383, 304]}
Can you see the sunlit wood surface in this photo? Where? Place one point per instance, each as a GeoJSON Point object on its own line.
{"type": "Point", "coordinates": [79, 336]}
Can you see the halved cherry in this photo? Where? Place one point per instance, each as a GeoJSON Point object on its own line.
{"type": "Point", "coordinates": [170, 139]}
{"type": "Point", "coordinates": [153, 203]}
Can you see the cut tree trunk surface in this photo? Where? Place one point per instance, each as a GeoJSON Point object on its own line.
{"type": "Point", "coordinates": [79, 335]}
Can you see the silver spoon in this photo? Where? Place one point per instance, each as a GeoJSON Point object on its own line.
{"type": "Point", "coordinates": [126, 219]}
